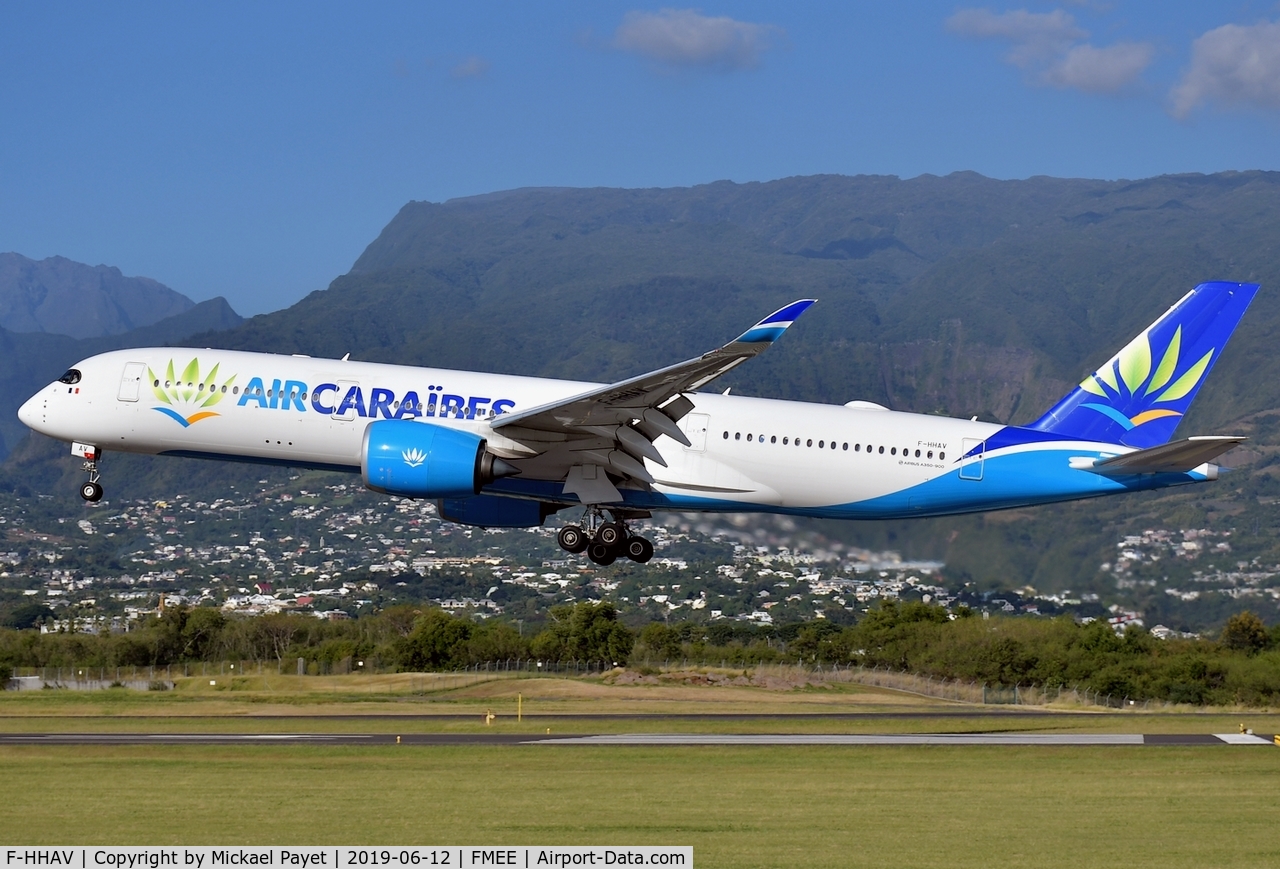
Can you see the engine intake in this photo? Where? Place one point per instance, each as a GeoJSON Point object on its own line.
{"type": "Point", "coordinates": [424, 460]}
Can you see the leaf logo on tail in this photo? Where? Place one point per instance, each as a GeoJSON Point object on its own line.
{"type": "Point", "coordinates": [186, 397]}
{"type": "Point", "coordinates": [1135, 391]}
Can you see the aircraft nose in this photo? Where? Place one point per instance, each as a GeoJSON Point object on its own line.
{"type": "Point", "coordinates": [30, 412]}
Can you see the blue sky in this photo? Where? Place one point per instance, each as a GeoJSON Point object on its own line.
{"type": "Point", "coordinates": [252, 150]}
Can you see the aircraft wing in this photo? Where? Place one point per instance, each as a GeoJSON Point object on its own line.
{"type": "Point", "coordinates": [614, 426]}
{"type": "Point", "coordinates": [1173, 457]}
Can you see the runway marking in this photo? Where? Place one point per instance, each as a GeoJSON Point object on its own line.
{"type": "Point", "coordinates": [853, 739]}
{"type": "Point", "coordinates": [640, 739]}
{"type": "Point", "coordinates": [908, 739]}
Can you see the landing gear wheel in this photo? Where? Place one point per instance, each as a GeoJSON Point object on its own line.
{"type": "Point", "coordinates": [600, 554]}
{"type": "Point", "coordinates": [572, 539]}
{"type": "Point", "coordinates": [639, 549]}
{"type": "Point", "coordinates": [612, 534]}
{"type": "Point", "coordinates": [91, 491]}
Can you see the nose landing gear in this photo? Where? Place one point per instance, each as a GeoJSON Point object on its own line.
{"type": "Point", "coordinates": [91, 491]}
{"type": "Point", "coordinates": [604, 542]}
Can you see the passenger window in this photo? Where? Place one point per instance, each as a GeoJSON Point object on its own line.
{"type": "Point", "coordinates": [917, 454]}
{"type": "Point", "coordinates": [726, 435]}
{"type": "Point", "coordinates": [941, 456]}
{"type": "Point", "coordinates": [857, 448]}
{"type": "Point", "coordinates": [773, 439]}
{"type": "Point", "coordinates": [809, 442]}
{"type": "Point", "coordinates": [845, 447]}
{"type": "Point", "coordinates": [748, 435]}
{"type": "Point", "coordinates": [737, 436]}
{"type": "Point", "coordinates": [821, 444]}
{"type": "Point", "coordinates": [882, 451]}
{"type": "Point", "coordinates": [786, 441]}
{"type": "Point", "coordinates": [930, 454]}
{"type": "Point", "coordinates": [893, 451]}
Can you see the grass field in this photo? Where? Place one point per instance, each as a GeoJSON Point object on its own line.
{"type": "Point", "coordinates": [926, 806]}
{"type": "Point", "coordinates": [738, 807]}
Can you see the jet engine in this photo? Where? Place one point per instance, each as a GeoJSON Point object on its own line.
{"type": "Point", "coordinates": [424, 460]}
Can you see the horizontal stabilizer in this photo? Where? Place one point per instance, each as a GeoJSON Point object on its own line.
{"type": "Point", "coordinates": [1171, 458]}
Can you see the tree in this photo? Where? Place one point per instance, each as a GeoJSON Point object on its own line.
{"type": "Point", "coordinates": [495, 641]}
{"type": "Point", "coordinates": [660, 641]}
{"type": "Point", "coordinates": [438, 641]}
{"type": "Point", "coordinates": [26, 616]}
{"type": "Point", "coordinates": [1245, 632]}
{"type": "Point", "coordinates": [201, 632]}
{"type": "Point", "coordinates": [585, 632]}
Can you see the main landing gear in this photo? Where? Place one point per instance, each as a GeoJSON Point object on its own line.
{"type": "Point", "coordinates": [604, 542]}
{"type": "Point", "coordinates": [91, 490]}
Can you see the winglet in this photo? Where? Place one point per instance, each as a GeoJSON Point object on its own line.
{"type": "Point", "coordinates": [771, 327]}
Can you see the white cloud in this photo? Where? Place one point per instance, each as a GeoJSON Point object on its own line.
{"type": "Point", "coordinates": [687, 38]}
{"type": "Point", "coordinates": [473, 67]}
{"type": "Point", "coordinates": [1100, 70]}
{"type": "Point", "coordinates": [1233, 65]}
{"type": "Point", "coordinates": [1050, 46]}
{"type": "Point", "coordinates": [1035, 35]}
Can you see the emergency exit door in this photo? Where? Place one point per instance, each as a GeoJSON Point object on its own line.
{"type": "Point", "coordinates": [971, 463]}
{"type": "Point", "coordinates": [694, 426]}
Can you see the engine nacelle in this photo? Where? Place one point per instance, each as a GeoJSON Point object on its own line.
{"type": "Point", "coordinates": [424, 460]}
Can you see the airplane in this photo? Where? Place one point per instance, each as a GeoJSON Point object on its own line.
{"type": "Point", "coordinates": [497, 450]}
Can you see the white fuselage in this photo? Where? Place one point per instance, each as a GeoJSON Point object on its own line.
{"type": "Point", "coordinates": [745, 453]}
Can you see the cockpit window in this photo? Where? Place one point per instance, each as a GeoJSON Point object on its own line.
{"type": "Point", "coordinates": [72, 376]}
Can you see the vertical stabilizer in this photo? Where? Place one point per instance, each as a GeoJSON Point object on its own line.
{"type": "Point", "coordinates": [1141, 394]}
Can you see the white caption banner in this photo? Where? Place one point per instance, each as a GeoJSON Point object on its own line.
{"type": "Point", "coordinates": [341, 857]}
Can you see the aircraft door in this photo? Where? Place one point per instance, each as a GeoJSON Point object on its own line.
{"type": "Point", "coordinates": [971, 465]}
{"type": "Point", "coordinates": [131, 381]}
{"type": "Point", "coordinates": [694, 426]}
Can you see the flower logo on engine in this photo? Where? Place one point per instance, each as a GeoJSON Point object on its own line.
{"type": "Point", "coordinates": [413, 457]}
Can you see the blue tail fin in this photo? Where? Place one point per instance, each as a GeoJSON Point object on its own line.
{"type": "Point", "coordinates": [1140, 395]}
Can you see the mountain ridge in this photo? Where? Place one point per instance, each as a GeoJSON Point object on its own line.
{"type": "Point", "coordinates": [60, 296]}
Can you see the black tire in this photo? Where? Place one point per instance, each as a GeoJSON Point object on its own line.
{"type": "Point", "coordinates": [600, 554]}
{"type": "Point", "coordinates": [611, 534]}
{"type": "Point", "coordinates": [639, 550]}
{"type": "Point", "coordinates": [91, 492]}
{"type": "Point", "coordinates": [572, 539]}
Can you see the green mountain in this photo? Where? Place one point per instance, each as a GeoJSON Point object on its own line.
{"type": "Point", "coordinates": [961, 295]}
{"type": "Point", "coordinates": [69, 298]}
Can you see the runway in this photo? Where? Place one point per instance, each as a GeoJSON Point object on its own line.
{"type": "Point", "coordinates": [639, 739]}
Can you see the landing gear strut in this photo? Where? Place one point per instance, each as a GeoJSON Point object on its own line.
{"type": "Point", "coordinates": [604, 542]}
{"type": "Point", "coordinates": [91, 491]}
